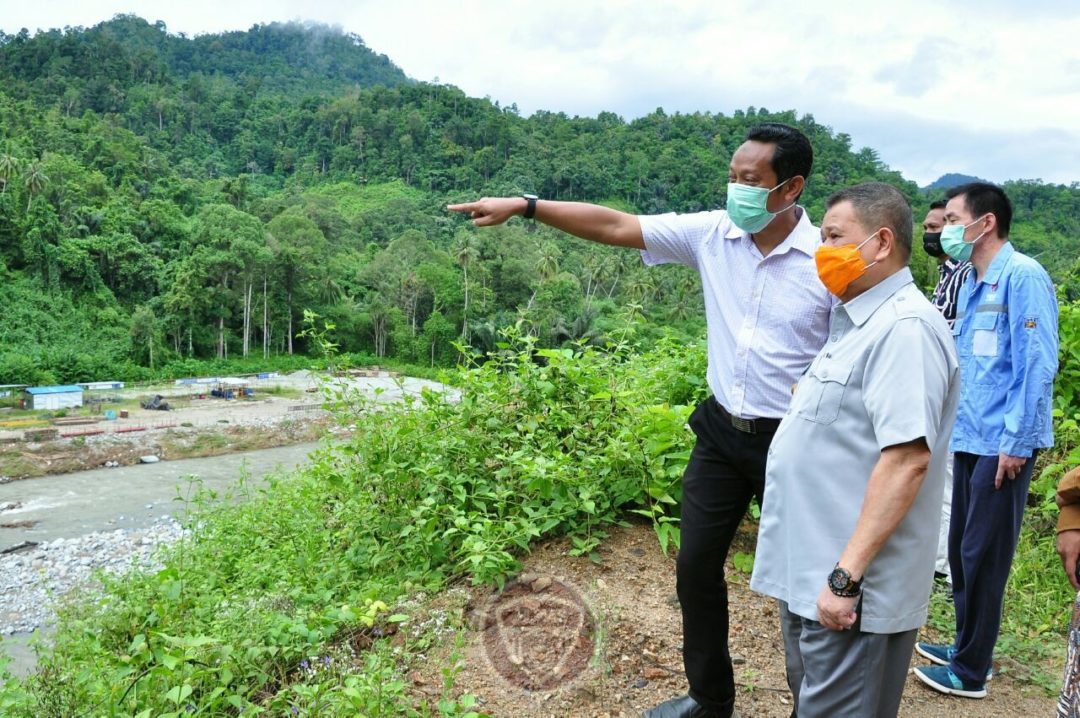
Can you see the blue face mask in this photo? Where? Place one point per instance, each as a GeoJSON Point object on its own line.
{"type": "Point", "coordinates": [746, 206]}
{"type": "Point", "coordinates": [954, 244]}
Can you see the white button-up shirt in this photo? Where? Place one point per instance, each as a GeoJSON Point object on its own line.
{"type": "Point", "coordinates": [766, 316]}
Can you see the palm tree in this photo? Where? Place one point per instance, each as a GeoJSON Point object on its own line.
{"type": "Point", "coordinates": [642, 287]}
{"type": "Point", "coordinates": [35, 181]}
{"type": "Point", "coordinates": [329, 291]}
{"type": "Point", "coordinates": [592, 267]}
{"type": "Point", "coordinates": [9, 168]}
{"type": "Point", "coordinates": [547, 265]}
{"type": "Point", "coordinates": [465, 254]}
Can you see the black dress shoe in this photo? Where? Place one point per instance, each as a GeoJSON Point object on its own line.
{"type": "Point", "coordinates": [684, 707]}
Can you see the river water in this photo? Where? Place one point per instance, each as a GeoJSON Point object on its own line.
{"type": "Point", "coordinates": [129, 497]}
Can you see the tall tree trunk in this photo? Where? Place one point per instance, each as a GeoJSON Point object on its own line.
{"type": "Point", "coordinates": [266, 324]}
{"type": "Point", "coordinates": [380, 336]}
{"type": "Point", "coordinates": [613, 285]}
{"type": "Point", "coordinates": [465, 311]}
{"type": "Point", "coordinates": [248, 286]}
{"type": "Point", "coordinates": [290, 331]}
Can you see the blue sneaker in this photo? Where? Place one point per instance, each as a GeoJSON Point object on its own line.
{"type": "Point", "coordinates": [942, 655]}
{"type": "Point", "coordinates": [937, 652]}
{"type": "Point", "coordinates": [943, 680]}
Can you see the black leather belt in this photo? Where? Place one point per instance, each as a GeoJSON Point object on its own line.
{"type": "Point", "coordinates": [748, 426]}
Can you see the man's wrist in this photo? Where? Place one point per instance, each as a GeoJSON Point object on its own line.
{"type": "Point", "coordinates": [530, 205]}
{"type": "Point", "coordinates": [843, 584]}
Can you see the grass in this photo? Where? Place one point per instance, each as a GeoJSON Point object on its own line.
{"type": "Point", "coordinates": [182, 445]}
{"type": "Point", "coordinates": [22, 422]}
{"type": "Point", "coordinates": [14, 464]}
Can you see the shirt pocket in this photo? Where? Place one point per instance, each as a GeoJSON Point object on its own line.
{"type": "Point", "coordinates": [984, 334]}
{"type": "Point", "coordinates": [825, 385]}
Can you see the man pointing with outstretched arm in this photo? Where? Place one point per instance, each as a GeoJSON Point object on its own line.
{"type": "Point", "coordinates": [767, 316]}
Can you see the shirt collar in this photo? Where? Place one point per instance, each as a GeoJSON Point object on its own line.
{"type": "Point", "coordinates": [993, 272]}
{"type": "Point", "coordinates": [863, 306]}
{"type": "Point", "coordinates": [804, 236]}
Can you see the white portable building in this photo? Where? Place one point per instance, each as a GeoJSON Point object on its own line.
{"type": "Point", "coordinates": [52, 398]}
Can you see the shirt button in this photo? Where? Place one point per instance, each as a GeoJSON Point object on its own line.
{"type": "Point", "coordinates": [833, 338]}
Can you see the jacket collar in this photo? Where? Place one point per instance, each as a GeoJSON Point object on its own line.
{"type": "Point", "coordinates": [997, 266]}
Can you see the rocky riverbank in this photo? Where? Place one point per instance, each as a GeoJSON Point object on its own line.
{"type": "Point", "coordinates": [36, 577]}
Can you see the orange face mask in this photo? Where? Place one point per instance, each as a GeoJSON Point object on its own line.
{"type": "Point", "coordinates": [838, 267]}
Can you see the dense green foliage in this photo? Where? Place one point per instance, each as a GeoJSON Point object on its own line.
{"type": "Point", "coordinates": [188, 198]}
{"type": "Point", "coordinates": [419, 495]}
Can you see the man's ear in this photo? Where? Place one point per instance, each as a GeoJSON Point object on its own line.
{"type": "Point", "coordinates": [990, 223]}
{"type": "Point", "coordinates": [794, 188]}
{"type": "Point", "coordinates": [887, 244]}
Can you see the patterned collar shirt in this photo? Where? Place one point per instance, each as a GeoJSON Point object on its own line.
{"type": "Point", "coordinates": [1007, 335]}
{"type": "Point", "coordinates": [766, 316]}
{"type": "Point", "coordinates": [887, 376]}
{"type": "Point", "coordinates": [951, 276]}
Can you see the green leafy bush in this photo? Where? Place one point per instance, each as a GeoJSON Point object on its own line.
{"type": "Point", "coordinates": [258, 609]}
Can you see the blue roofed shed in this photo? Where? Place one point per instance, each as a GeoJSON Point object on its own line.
{"type": "Point", "coordinates": [53, 397]}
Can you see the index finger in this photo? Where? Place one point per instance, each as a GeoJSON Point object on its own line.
{"type": "Point", "coordinates": [464, 207]}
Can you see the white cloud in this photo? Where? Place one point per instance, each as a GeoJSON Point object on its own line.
{"type": "Point", "coordinates": [987, 87]}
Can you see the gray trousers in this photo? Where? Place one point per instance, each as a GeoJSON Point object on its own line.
{"type": "Point", "coordinates": [844, 674]}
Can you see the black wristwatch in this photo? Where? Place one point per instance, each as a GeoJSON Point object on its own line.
{"type": "Point", "coordinates": [840, 583]}
{"type": "Point", "coordinates": [530, 210]}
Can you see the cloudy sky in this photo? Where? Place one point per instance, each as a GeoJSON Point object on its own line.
{"type": "Point", "coordinates": [983, 87]}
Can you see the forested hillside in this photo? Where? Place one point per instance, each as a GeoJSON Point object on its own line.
{"type": "Point", "coordinates": [189, 198]}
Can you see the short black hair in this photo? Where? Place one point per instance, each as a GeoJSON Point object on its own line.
{"type": "Point", "coordinates": [877, 204]}
{"type": "Point", "coordinates": [982, 198]}
{"type": "Point", "coordinates": [793, 156]}
{"type": "Point", "coordinates": [937, 204]}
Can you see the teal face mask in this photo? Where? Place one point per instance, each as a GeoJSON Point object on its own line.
{"type": "Point", "coordinates": [746, 206]}
{"type": "Point", "coordinates": [952, 241]}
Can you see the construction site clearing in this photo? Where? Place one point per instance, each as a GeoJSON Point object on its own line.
{"type": "Point", "coordinates": [203, 416]}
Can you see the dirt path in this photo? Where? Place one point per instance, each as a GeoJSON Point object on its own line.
{"type": "Point", "coordinates": [638, 664]}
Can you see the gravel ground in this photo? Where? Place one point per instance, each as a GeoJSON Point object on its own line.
{"type": "Point", "coordinates": [35, 579]}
